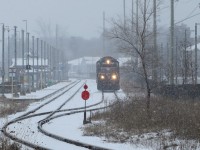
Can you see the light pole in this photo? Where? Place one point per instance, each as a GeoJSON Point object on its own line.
{"type": "Point", "coordinates": [33, 50]}
{"type": "Point", "coordinates": [172, 44]}
{"type": "Point", "coordinates": [23, 69]}
{"type": "Point", "coordinates": [7, 28]}
{"type": "Point", "coordinates": [37, 64]}
{"type": "Point", "coordinates": [196, 68]}
{"type": "Point", "coordinates": [3, 70]}
{"type": "Point", "coordinates": [49, 62]}
{"type": "Point", "coordinates": [28, 66]}
{"type": "Point", "coordinates": [45, 64]}
{"type": "Point", "coordinates": [26, 25]}
{"type": "Point", "coordinates": [41, 66]}
{"type": "Point", "coordinates": [26, 49]}
{"type": "Point", "coordinates": [16, 74]}
{"type": "Point", "coordinates": [124, 4]}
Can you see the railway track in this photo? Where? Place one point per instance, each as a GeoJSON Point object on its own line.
{"type": "Point", "coordinates": [53, 115]}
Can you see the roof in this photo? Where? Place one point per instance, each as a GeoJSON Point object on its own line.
{"type": "Point", "coordinates": [93, 60]}
{"type": "Point", "coordinates": [19, 61]}
{"type": "Point", "coordinates": [192, 48]}
{"type": "Point", "coordinates": [87, 60]}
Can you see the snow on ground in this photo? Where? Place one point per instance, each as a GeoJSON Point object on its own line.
{"type": "Point", "coordinates": [68, 126]}
{"type": "Point", "coordinates": [40, 93]}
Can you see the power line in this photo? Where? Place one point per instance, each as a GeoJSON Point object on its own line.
{"type": "Point", "coordinates": [193, 10]}
{"type": "Point", "coordinates": [187, 18]}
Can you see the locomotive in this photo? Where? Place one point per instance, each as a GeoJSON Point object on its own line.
{"type": "Point", "coordinates": [107, 74]}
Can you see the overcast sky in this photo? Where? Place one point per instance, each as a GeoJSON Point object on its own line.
{"type": "Point", "coordinates": [83, 17]}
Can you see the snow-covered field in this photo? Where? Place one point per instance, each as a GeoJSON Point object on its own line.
{"type": "Point", "coordinates": [68, 126]}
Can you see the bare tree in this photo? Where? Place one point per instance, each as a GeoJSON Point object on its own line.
{"type": "Point", "coordinates": [137, 43]}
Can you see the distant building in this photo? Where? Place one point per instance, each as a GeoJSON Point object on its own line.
{"type": "Point", "coordinates": [41, 69]}
{"type": "Point", "coordinates": [85, 67]}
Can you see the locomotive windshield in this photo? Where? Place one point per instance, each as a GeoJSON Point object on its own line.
{"type": "Point", "coordinates": [108, 69]}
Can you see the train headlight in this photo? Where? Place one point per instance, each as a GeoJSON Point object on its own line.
{"type": "Point", "coordinates": [102, 77]}
{"type": "Point", "coordinates": [114, 77]}
{"type": "Point", "coordinates": [108, 61]}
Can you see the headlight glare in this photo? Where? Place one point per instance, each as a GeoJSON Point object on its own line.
{"type": "Point", "coordinates": [102, 77]}
{"type": "Point", "coordinates": [107, 61]}
{"type": "Point", "coordinates": [114, 77]}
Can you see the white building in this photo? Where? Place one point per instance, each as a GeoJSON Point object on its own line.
{"type": "Point", "coordinates": [38, 71]}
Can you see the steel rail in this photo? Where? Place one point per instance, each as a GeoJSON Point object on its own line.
{"type": "Point", "coordinates": [3, 130]}
{"type": "Point", "coordinates": [37, 108]}
{"type": "Point", "coordinates": [70, 141]}
{"type": "Point", "coordinates": [26, 116]}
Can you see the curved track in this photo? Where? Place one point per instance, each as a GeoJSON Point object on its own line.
{"type": "Point", "coordinates": [52, 115]}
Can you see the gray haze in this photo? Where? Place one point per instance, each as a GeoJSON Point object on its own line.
{"type": "Point", "coordinates": [84, 17]}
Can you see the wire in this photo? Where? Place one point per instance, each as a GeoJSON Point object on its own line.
{"type": "Point", "coordinates": [193, 10]}
{"type": "Point", "coordinates": [187, 18]}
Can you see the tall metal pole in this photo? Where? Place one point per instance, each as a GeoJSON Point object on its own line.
{"type": "Point", "coordinates": [41, 79]}
{"type": "Point", "coordinates": [172, 45]}
{"type": "Point", "coordinates": [124, 4]}
{"type": "Point", "coordinates": [176, 61]}
{"type": "Point", "coordinates": [33, 79]}
{"type": "Point", "coordinates": [29, 90]}
{"type": "Point", "coordinates": [50, 63]}
{"type": "Point", "coordinates": [137, 31]}
{"type": "Point", "coordinates": [8, 50]}
{"type": "Point", "coordinates": [132, 15]}
{"type": "Point", "coordinates": [57, 61]}
{"type": "Point", "coordinates": [196, 54]}
{"type": "Point", "coordinates": [137, 13]}
{"type": "Point", "coordinates": [185, 55]}
{"type": "Point", "coordinates": [37, 63]}
{"type": "Point", "coordinates": [155, 43]}
{"type": "Point", "coordinates": [3, 70]}
{"type": "Point", "coordinates": [45, 63]}
{"type": "Point", "coordinates": [23, 68]}
{"type": "Point", "coordinates": [103, 33]}
{"type": "Point", "coordinates": [16, 73]}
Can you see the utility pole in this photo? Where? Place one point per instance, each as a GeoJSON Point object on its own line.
{"type": "Point", "coordinates": [41, 65]}
{"type": "Point", "coordinates": [124, 4]}
{"type": "Point", "coordinates": [45, 63]}
{"type": "Point", "coordinates": [3, 70]}
{"type": "Point", "coordinates": [155, 63]}
{"type": "Point", "coordinates": [196, 54]}
{"type": "Point", "coordinates": [16, 73]}
{"type": "Point", "coordinates": [132, 12]}
{"type": "Point", "coordinates": [50, 64]}
{"type": "Point", "coordinates": [57, 59]}
{"type": "Point", "coordinates": [176, 61]}
{"type": "Point", "coordinates": [33, 79]}
{"type": "Point", "coordinates": [161, 64]}
{"type": "Point", "coordinates": [8, 49]}
{"type": "Point", "coordinates": [168, 63]}
{"type": "Point", "coordinates": [172, 44]}
{"type": "Point", "coordinates": [103, 34]}
{"type": "Point", "coordinates": [37, 63]}
{"type": "Point", "coordinates": [23, 69]}
{"type": "Point", "coordinates": [137, 32]}
{"type": "Point", "coordinates": [28, 65]}
{"type": "Point", "coordinates": [185, 56]}
{"type": "Point", "coordinates": [137, 18]}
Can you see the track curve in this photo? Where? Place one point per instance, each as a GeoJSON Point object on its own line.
{"type": "Point", "coordinates": [51, 117]}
